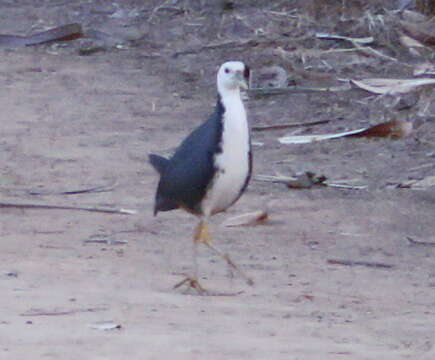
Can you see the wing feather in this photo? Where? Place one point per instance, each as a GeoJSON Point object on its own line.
{"type": "Point", "coordinates": [186, 176]}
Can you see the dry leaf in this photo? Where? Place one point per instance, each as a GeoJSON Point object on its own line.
{"type": "Point", "coordinates": [394, 129]}
{"type": "Point", "coordinates": [422, 184]}
{"type": "Point", "coordinates": [431, 242]}
{"type": "Point", "coordinates": [424, 32]}
{"type": "Point", "coordinates": [105, 325]}
{"type": "Point", "coordinates": [415, 47]}
{"type": "Point", "coordinates": [392, 86]}
{"type": "Point", "coordinates": [248, 219]}
{"type": "Point", "coordinates": [410, 42]}
{"type": "Point", "coordinates": [413, 16]}
{"type": "Point", "coordinates": [424, 69]}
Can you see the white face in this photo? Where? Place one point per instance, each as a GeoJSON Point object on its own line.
{"type": "Point", "coordinates": [232, 75]}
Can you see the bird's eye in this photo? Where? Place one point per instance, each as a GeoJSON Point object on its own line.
{"type": "Point", "coordinates": [227, 70]}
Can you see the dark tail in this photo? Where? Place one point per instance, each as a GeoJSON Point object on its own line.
{"type": "Point", "coordinates": [158, 162]}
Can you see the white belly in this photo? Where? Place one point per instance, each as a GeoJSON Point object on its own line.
{"type": "Point", "coordinates": [232, 163]}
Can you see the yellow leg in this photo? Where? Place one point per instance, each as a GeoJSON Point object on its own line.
{"type": "Point", "coordinates": [231, 264]}
{"type": "Point", "coordinates": [202, 234]}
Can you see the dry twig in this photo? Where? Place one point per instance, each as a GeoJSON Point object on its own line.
{"type": "Point", "coordinates": [59, 207]}
{"type": "Point", "coordinates": [359, 45]}
{"type": "Point", "coordinates": [421, 243]}
{"type": "Point", "coordinates": [288, 125]}
{"type": "Point", "coordinates": [359, 263]}
{"type": "Point", "coordinates": [221, 45]}
{"type": "Point", "coordinates": [37, 312]}
{"type": "Point", "coordinates": [93, 189]}
{"type": "Point", "coordinates": [261, 92]}
{"type": "Point", "coordinates": [302, 181]}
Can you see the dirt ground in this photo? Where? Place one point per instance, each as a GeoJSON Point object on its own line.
{"type": "Point", "coordinates": [87, 112]}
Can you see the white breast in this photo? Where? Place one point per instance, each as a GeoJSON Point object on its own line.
{"type": "Point", "coordinates": [233, 161]}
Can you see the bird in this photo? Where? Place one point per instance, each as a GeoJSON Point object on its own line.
{"type": "Point", "coordinates": [211, 168]}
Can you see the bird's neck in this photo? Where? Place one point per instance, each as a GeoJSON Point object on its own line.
{"type": "Point", "coordinates": [229, 95]}
{"type": "Point", "coordinates": [230, 103]}
{"type": "Point", "coordinates": [233, 114]}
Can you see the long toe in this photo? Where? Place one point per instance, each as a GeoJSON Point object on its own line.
{"type": "Point", "coordinates": [191, 284]}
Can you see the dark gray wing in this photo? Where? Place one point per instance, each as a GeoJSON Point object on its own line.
{"type": "Point", "coordinates": [185, 178]}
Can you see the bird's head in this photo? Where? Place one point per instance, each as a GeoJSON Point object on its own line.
{"type": "Point", "coordinates": [232, 75]}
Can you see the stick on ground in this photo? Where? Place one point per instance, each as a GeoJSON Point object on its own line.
{"type": "Point", "coordinates": [359, 263]}
{"type": "Point", "coordinates": [57, 207]}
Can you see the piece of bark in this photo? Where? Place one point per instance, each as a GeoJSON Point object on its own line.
{"type": "Point", "coordinates": [60, 33]}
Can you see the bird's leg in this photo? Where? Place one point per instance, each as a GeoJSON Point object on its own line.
{"type": "Point", "coordinates": [232, 265]}
{"type": "Point", "coordinates": [202, 235]}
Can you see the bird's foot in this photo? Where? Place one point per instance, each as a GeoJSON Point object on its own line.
{"type": "Point", "coordinates": [192, 284]}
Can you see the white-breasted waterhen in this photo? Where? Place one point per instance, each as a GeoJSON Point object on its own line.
{"type": "Point", "coordinates": [212, 167]}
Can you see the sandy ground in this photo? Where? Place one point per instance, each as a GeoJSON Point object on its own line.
{"type": "Point", "coordinates": [71, 122]}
